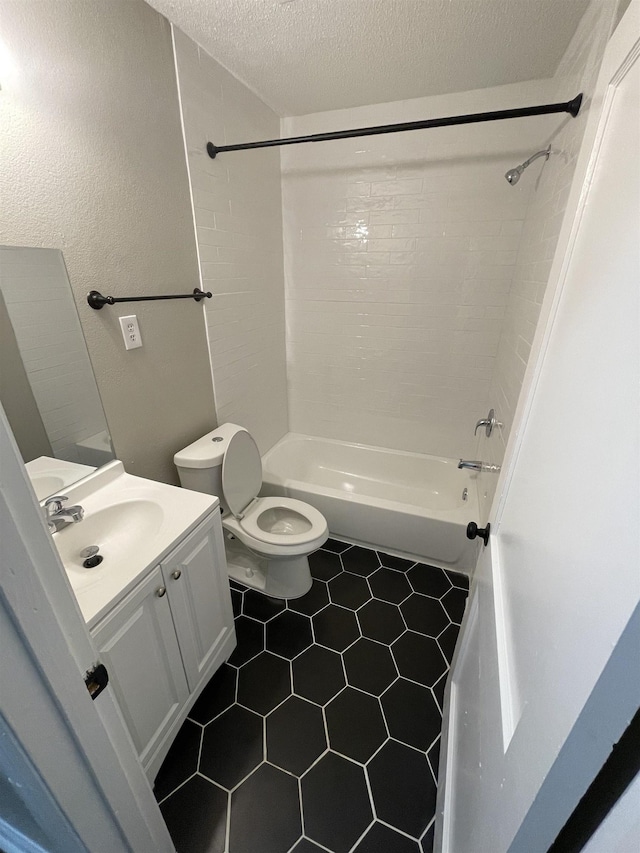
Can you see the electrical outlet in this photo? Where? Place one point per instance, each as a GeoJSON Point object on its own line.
{"type": "Point", "coordinates": [130, 331]}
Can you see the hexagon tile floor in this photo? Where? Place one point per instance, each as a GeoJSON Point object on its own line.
{"type": "Point", "coordinates": [322, 733]}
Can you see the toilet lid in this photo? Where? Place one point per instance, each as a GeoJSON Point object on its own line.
{"type": "Point", "coordinates": [241, 472]}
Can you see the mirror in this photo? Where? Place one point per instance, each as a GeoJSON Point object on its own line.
{"type": "Point", "coordinates": [47, 386]}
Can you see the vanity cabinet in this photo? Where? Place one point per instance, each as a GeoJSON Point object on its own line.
{"type": "Point", "coordinates": [164, 640]}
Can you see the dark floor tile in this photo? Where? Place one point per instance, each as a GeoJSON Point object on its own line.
{"type": "Point", "coordinates": [237, 586]}
{"type": "Point", "coordinates": [427, 841]}
{"type": "Point", "coordinates": [412, 714]}
{"type": "Point", "coordinates": [336, 546]}
{"type": "Point", "coordinates": [458, 579]}
{"type": "Point", "coordinates": [196, 817]}
{"type": "Point", "coordinates": [231, 746]}
{"type": "Point", "coordinates": [262, 607]}
{"type": "Point", "coordinates": [324, 565]}
{"type": "Point", "coordinates": [448, 639]}
{"type": "Point", "coordinates": [295, 735]}
{"type": "Point", "coordinates": [218, 695]}
{"type": "Point", "coordinates": [318, 674]}
{"type": "Point", "coordinates": [181, 761]}
{"type": "Point", "coordinates": [236, 602]}
{"type": "Point", "coordinates": [380, 621]}
{"type": "Point", "coordinates": [434, 758]}
{"type": "Point", "coordinates": [355, 725]}
{"type": "Point", "coordinates": [360, 561]}
{"type": "Point", "coordinates": [250, 635]}
{"type": "Point", "coordinates": [399, 564]}
{"type": "Point", "coordinates": [438, 690]}
{"type": "Point", "coordinates": [314, 600]}
{"type": "Point", "coordinates": [429, 580]}
{"type": "Point", "coordinates": [454, 603]}
{"type": "Point", "coordinates": [369, 666]}
{"type": "Point", "coordinates": [382, 839]}
{"type": "Point", "coordinates": [419, 658]}
{"type": "Point", "coordinates": [389, 585]}
{"type": "Point", "coordinates": [403, 789]}
{"type": "Point", "coordinates": [349, 591]}
{"type": "Point", "coordinates": [264, 683]}
{"type": "Point", "coordinates": [335, 627]}
{"type": "Point", "coordinates": [306, 846]}
{"type": "Point", "coordinates": [424, 614]}
{"type": "Point", "coordinates": [288, 634]}
{"type": "Point", "coordinates": [265, 813]}
{"type": "Point", "coordinates": [335, 802]}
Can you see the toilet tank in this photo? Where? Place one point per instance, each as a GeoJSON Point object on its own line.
{"type": "Point", "coordinates": [200, 464]}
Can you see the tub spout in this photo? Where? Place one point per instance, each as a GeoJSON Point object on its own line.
{"type": "Point", "coordinates": [476, 465]}
{"type": "Point", "coordinates": [471, 465]}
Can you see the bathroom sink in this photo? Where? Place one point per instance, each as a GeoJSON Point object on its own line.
{"type": "Point", "coordinates": [116, 530]}
{"type": "Point", "coordinates": [134, 522]}
{"type": "Point", "coordinates": [50, 476]}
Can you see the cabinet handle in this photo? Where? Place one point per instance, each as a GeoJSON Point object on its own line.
{"type": "Point", "coordinates": [162, 590]}
{"type": "Point", "coordinates": [175, 575]}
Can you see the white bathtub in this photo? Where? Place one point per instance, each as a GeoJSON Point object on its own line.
{"type": "Point", "coordinates": [405, 503]}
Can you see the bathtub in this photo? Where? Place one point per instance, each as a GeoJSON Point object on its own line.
{"type": "Point", "coordinates": [409, 504]}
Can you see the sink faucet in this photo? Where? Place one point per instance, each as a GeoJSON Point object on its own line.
{"type": "Point", "coordinates": [475, 465]}
{"type": "Point", "coordinates": [58, 515]}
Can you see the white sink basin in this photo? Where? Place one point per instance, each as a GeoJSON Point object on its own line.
{"type": "Point", "coordinates": [116, 530]}
{"type": "Point", "coordinates": [50, 476]}
{"type": "Point", "coordinates": [134, 522]}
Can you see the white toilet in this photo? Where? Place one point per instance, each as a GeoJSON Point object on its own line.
{"type": "Point", "coordinates": [268, 540]}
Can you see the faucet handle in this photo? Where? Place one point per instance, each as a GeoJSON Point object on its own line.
{"type": "Point", "coordinates": [489, 423]}
{"type": "Point", "coordinates": [54, 503]}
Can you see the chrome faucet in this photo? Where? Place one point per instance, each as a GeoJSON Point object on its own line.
{"type": "Point", "coordinates": [58, 515]}
{"type": "Point", "coordinates": [476, 465]}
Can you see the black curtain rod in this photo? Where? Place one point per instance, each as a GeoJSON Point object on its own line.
{"type": "Point", "coordinates": [97, 300]}
{"type": "Point", "coordinates": [571, 107]}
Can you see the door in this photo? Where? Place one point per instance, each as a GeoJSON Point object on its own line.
{"type": "Point", "coordinates": [137, 643]}
{"type": "Point", "coordinates": [546, 675]}
{"type": "Point", "coordinates": [196, 577]}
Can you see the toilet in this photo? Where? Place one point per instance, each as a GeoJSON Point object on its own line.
{"type": "Point", "coordinates": [267, 540]}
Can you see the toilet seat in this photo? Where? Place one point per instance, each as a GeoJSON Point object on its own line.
{"type": "Point", "coordinates": [255, 537]}
{"type": "Point", "coordinates": [274, 526]}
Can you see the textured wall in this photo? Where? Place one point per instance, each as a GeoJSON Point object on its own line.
{"type": "Point", "coordinates": [399, 255]}
{"type": "Point", "coordinates": [238, 214]}
{"type": "Point", "coordinates": [577, 72]}
{"type": "Point", "coordinates": [93, 164]}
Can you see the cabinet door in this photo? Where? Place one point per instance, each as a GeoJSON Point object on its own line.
{"type": "Point", "coordinates": [196, 576]}
{"type": "Point", "coordinates": [137, 643]}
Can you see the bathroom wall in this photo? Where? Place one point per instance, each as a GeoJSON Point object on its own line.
{"type": "Point", "coordinates": [577, 72]}
{"type": "Point", "coordinates": [51, 346]}
{"type": "Point", "coordinates": [238, 215]}
{"type": "Point", "coordinates": [399, 255]}
{"type": "Point", "coordinates": [93, 164]}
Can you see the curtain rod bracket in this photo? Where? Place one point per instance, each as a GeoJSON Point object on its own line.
{"type": "Point", "coordinates": [572, 107]}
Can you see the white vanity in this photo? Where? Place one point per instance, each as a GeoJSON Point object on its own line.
{"type": "Point", "coordinates": [158, 605]}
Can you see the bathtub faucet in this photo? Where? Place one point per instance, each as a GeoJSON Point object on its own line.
{"type": "Point", "coordinates": [476, 465]}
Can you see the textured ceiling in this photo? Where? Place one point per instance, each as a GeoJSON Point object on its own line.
{"type": "Point", "coordinates": [303, 56]}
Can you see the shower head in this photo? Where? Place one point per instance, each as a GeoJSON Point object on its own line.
{"type": "Point", "coordinates": [513, 175]}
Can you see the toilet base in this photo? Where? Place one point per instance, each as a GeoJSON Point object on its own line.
{"type": "Point", "coordinates": [280, 578]}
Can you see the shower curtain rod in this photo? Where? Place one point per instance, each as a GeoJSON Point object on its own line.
{"type": "Point", "coordinates": [572, 107]}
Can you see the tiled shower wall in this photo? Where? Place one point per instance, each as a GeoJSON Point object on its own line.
{"type": "Point", "coordinates": [238, 217]}
{"type": "Point", "coordinates": [577, 72]}
{"type": "Point", "coordinates": [400, 251]}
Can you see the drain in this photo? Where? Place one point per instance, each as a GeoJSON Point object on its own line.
{"type": "Point", "coordinates": [93, 559]}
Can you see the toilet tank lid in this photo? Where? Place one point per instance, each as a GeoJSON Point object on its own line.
{"type": "Point", "coordinates": [208, 451]}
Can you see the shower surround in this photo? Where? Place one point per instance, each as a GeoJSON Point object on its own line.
{"type": "Point", "coordinates": [399, 256]}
